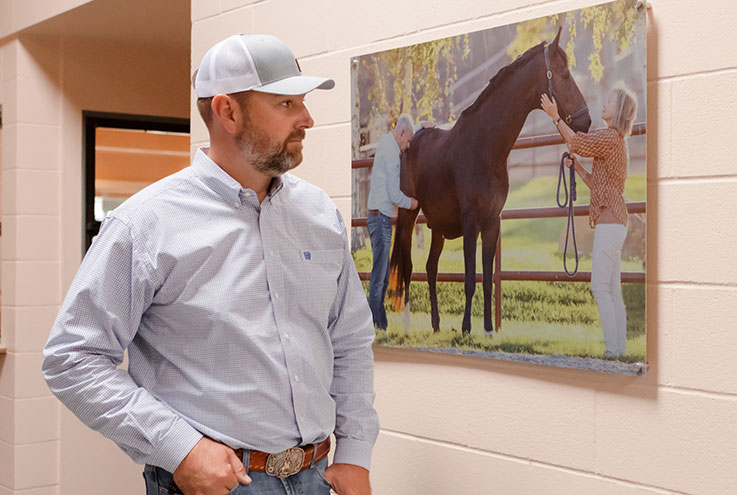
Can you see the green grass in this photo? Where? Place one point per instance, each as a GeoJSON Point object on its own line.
{"type": "Point", "coordinates": [515, 336]}
{"type": "Point", "coordinates": [538, 317]}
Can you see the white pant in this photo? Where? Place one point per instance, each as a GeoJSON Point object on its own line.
{"type": "Point", "coordinates": [606, 285]}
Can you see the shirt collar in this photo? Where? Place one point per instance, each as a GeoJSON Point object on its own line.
{"type": "Point", "coordinates": [220, 181]}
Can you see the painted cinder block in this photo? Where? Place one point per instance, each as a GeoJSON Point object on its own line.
{"type": "Point", "coordinates": [36, 465]}
{"type": "Point", "coordinates": [329, 106]}
{"type": "Point", "coordinates": [226, 5]}
{"type": "Point", "coordinates": [675, 440]}
{"type": "Point", "coordinates": [697, 340]}
{"type": "Point", "coordinates": [20, 376]}
{"type": "Point", "coordinates": [44, 199]}
{"type": "Point", "coordinates": [38, 102]}
{"type": "Point", "coordinates": [9, 55]}
{"type": "Point", "coordinates": [303, 26]}
{"type": "Point", "coordinates": [696, 231]}
{"type": "Point", "coordinates": [412, 466]}
{"type": "Point", "coordinates": [678, 54]}
{"type": "Point", "coordinates": [701, 137]}
{"type": "Point", "coordinates": [32, 156]}
{"type": "Point", "coordinates": [327, 159]}
{"type": "Point", "coordinates": [207, 32]}
{"type": "Point", "coordinates": [31, 238]}
{"type": "Point", "coordinates": [44, 490]}
{"type": "Point", "coordinates": [30, 283]}
{"type": "Point", "coordinates": [548, 419]}
{"type": "Point", "coordinates": [29, 420]}
{"type": "Point", "coordinates": [27, 327]}
{"type": "Point", "coordinates": [202, 9]}
{"type": "Point", "coordinates": [39, 57]}
{"type": "Point", "coordinates": [659, 130]}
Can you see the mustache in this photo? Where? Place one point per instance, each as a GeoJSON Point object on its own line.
{"type": "Point", "coordinates": [299, 133]}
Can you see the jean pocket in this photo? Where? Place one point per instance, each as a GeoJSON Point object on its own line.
{"type": "Point", "coordinates": [166, 483]}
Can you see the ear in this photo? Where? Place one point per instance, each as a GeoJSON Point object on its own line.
{"type": "Point", "coordinates": [225, 110]}
{"type": "Point", "coordinates": [554, 43]}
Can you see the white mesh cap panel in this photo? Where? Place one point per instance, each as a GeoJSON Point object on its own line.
{"type": "Point", "coordinates": [253, 62]}
{"type": "Point", "coordinates": [226, 68]}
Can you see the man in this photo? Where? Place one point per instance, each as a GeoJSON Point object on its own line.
{"type": "Point", "coordinates": [232, 286]}
{"type": "Point", "coordinates": [384, 197]}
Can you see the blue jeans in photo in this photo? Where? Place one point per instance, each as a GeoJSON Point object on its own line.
{"type": "Point", "coordinates": [309, 481]}
{"type": "Point", "coordinates": [380, 233]}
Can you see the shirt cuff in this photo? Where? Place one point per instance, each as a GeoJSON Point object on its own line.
{"type": "Point", "coordinates": [350, 451]}
{"type": "Point", "coordinates": [175, 446]}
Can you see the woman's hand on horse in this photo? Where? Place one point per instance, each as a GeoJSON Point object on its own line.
{"type": "Point", "coordinates": [414, 204]}
{"type": "Point", "coordinates": [549, 106]}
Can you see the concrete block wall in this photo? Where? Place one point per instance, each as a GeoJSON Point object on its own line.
{"type": "Point", "coordinates": [29, 431]}
{"type": "Point", "coordinates": [453, 425]}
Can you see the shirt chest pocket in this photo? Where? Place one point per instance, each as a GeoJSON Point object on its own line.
{"type": "Point", "coordinates": [317, 273]}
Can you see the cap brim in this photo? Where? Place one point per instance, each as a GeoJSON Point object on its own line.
{"type": "Point", "coordinates": [296, 85]}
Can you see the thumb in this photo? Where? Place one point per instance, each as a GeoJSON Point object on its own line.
{"type": "Point", "coordinates": [238, 469]}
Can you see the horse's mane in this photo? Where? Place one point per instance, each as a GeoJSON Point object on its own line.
{"type": "Point", "coordinates": [501, 76]}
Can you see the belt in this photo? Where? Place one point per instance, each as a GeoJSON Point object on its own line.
{"type": "Point", "coordinates": [286, 463]}
{"type": "Point", "coordinates": [373, 213]}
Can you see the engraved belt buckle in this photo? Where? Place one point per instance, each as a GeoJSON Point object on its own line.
{"type": "Point", "coordinates": [286, 463]}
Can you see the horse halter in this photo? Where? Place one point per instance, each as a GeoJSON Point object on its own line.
{"type": "Point", "coordinates": [549, 74]}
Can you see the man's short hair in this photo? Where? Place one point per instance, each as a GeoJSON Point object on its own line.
{"type": "Point", "coordinates": [405, 122]}
{"type": "Point", "coordinates": [204, 105]}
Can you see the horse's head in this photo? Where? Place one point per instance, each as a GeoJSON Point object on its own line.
{"type": "Point", "coordinates": [571, 104]}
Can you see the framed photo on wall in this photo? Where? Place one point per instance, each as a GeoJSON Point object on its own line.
{"type": "Point", "coordinates": [499, 191]}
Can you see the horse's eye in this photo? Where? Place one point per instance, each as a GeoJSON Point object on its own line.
{"type": "Point", "coordinates": [566, 74]}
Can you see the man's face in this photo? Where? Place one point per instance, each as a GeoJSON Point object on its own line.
{"type": "Point", "coordinates": [271, 134]}
{"type": "Point", "coordinates": [404, 138]}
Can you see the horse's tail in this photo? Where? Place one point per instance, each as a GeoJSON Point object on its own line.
{"type": "Point", "coordinates": [400, 265]}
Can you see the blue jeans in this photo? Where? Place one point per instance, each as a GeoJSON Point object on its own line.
{"type": "Point", "coordinates": [380, 233]}
{"type": "Point", "coordinates": [309, 481]}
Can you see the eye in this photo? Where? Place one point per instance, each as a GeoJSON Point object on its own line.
{"type": "Point", "coordinates": [566, 73]}
{"type": "Point", "coordinates": [287, 103]}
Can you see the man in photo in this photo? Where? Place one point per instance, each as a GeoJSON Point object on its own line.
{"type": "Point", "coordinates": [232, 287]}
{"type": "Point", "coordinates": [384, 198]}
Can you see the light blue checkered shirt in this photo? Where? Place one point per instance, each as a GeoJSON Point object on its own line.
{"type": "Point", "coordinates": [244, 322]}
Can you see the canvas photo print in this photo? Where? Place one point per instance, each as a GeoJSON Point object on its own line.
{"type": "Point", "coordinates": [499, 191]}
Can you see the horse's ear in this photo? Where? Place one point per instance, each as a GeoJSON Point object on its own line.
{"type": "Point", "coordinates": [557, 37]}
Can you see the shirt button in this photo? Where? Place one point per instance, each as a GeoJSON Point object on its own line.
{"type": "Point", "coordinates": [271, 252]}
{"type": "Point", "coordinates": [276, 295]}
{"type": "Point", "coordinates": [296, 378]}
{"type": "Point", "coordinates": [286, 336]}
{"type": "Point", "coordinates": [247, 194]}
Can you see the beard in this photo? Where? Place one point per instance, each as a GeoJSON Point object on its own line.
{"type": "Point", "coordinates": [267, 156]}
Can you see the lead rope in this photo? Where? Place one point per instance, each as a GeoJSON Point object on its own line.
{"type": "Point", "coordinates": [571, 227]}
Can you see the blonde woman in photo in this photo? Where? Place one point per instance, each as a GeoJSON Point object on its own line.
{"type": "Point", "coordinates": [608, 212]}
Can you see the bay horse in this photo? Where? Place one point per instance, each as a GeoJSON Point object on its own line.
{"type": "Point", "coordinates": [459, 176]}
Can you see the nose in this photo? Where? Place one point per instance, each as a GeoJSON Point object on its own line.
{"type": "Point", "coordinates": [305, 119]}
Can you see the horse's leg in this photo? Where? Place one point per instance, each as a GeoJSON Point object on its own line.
{"type": "Point", "coordinates": [489, 236]}
{"type": "Point", "coordinates": [436, 247]}
{"type": "Point", "coordinates": [470, 236]}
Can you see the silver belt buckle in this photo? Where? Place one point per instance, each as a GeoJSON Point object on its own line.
{"type": "Point", "coordinates": [286, 463]}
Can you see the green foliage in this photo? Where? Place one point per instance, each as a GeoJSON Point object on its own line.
{"type": "Point", "coordinates": [421, 78]}
{"type": "Point", "coordinates": [614, 21]}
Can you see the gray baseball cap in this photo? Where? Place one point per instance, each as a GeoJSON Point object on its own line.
{"type": "Point", "coordinates": [253, 62]}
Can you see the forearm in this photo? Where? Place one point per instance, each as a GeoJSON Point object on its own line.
{"type": "Point", "coordinates": [565, 131]}
{"type": "Point", "coordinates": [585, 175]}
{"type": "Point", "coordinates": [107, 400]}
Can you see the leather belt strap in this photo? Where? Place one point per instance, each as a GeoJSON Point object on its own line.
{"type": "Point", "coordinates": [260, 461]}
{"type": "Point", "coordinates": [373, 213]}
